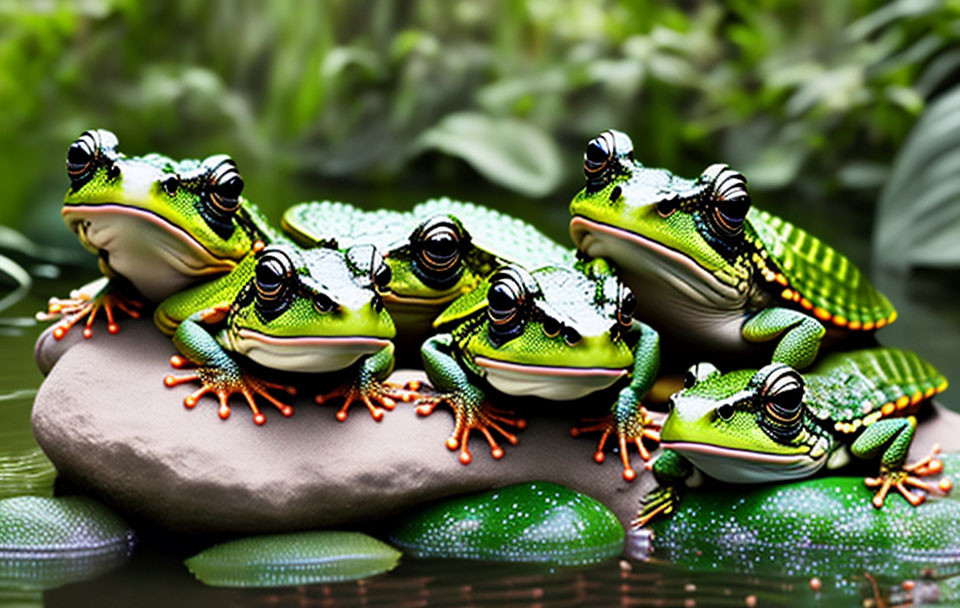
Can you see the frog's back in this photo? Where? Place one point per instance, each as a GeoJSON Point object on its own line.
{"type": "Point", "coordinates": [813, 276]}
{"type": "Point", "coordinates": [326, 222]}
{"type": "Point", "coordinates": [506, 237]}
{"type": "Point", "coordinates": [857, 388]}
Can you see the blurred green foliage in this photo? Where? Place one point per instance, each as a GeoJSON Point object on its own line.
{"type": "Point", "coordinates": [808, 99]}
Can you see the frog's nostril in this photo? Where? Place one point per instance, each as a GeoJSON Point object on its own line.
{"type": "Point", "coordinates": [725, 411]}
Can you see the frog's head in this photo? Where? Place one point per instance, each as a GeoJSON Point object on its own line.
{"type": "Point", "coordinates": [661, 227]}
{"type": "Point", "coordinates": [745, 426]}
{"type": "Point", "coordinates": [315, 310]}
{"type": "Point", "coordinates": [557, 332]}
{"type": "Point", "coordinates": [163, 224]}
{"type": "Point", "coordinates": [431, 269]}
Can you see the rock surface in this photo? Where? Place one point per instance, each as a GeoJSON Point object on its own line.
{"type": "Point", "coordinates": [109, 425]}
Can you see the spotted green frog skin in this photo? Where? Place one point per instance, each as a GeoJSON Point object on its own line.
{"type": "Point", "coordinates": [774, 424]}
{"type": "Point", "coordinates": [720, 276]}
{"type": "Point", "coordinates": [557, 332]}
{"type": "Point", "coordinates": [309, 311]}
{"type": "Point", "coordinates": [437, 251]}
{"type": "Point", "coordinates": [162, 225]}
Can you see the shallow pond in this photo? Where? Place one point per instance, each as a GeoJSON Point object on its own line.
{"type": "Point", "coordinates": [929, 323]}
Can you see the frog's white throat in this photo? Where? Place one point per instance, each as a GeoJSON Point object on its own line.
{"type": "Point", "coordinates": [306, 354]}
{"type": "Point", "coordinates": [744, 466]}
{"type": "Point", "coordinates": [547, 382]}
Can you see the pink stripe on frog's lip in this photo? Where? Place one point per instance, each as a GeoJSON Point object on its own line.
{"type": "Point", "coordinates": [703, 448]}
{"type": "Point", "coordinates": [314, 340]}
{"type": "Point", "coordinates": [149, 216]}
{"type": "Point", "coordinates": [547, 370]}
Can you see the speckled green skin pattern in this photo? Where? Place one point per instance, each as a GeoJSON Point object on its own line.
{"type": "Point", "coordinates": [531, 522]}
{"type": "Point", "coordinates": [584, 297]}
{"type": "Point", "coordinates": [47, 542]}
{"type": "Point", "coordinates": [301, 558]}
{"type": "Point", "coordinates": [488, 239]}
{"type": "Point", "coordinates": [820, 528]}
{"type": "Point", "coordinates": [664, 231]}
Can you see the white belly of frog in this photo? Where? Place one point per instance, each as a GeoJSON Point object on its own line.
{"type": "Point", "coordinates": [307, 354]}
{"type": "Point", "coordinates": [547, 382]}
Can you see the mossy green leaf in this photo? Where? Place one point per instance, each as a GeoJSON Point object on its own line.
{"type": "Point", "coordinates": [530, 522]}
{"type": "Point", "coordinates": [300, 558]}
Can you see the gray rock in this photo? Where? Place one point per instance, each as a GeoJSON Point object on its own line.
{"type": "Point", "coordinates": [109, 425]}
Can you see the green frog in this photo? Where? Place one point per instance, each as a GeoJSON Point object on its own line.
{"type": "Point", "coordinates": [309, 311]}
{"type": "Point", "coordinates": [556, 332]}
{"type": "Point", "coordinates": [774, 424]}
{"type": "Point", "coordinates": [437, 251]}
{"type": "Point", "coordinates": [720, 276]}
{"type": "Point", "coordinates": [159, 224]}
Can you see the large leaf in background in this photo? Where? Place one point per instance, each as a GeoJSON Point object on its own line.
{"type": "Point", "coordinates": [918, 217]}
{"type": "Point", "coordinates": [509, 152]}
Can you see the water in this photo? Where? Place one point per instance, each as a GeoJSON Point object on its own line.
{"type": "Point", "coordinates": [929, 323]}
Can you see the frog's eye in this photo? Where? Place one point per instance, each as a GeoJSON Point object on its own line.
{"type": "Point", "coordinates": [92, 149]}
{"type": "Point", "coordinates": [627, 307]}
{"type": "Point", "coordinates": [698, 373]}
{"type": "Point", "coordinates": [273, 281]}
{"type": "Point", "coordinates": [224, 185]}
{"type": "Point", "coordinates": [505, 306]}
{"type": "Point", "coordinates": [598, 154]}
{"type": "Point", "coordinates": [783, 395]}
{"type": "Point", "coordinates": [171, 185]}
{"type": "Point", "coordinates": [323, 304]}
{"type": "Point", "coordinates": [731, 200]}
{"type": "Point", "coordinates": [437, 244]}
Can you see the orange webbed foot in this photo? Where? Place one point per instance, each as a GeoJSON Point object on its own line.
{"type": "Point", "coordinates": [908, 477]}
{"type": "Point", "coordinates": [223, 383]}
{"type": "Point", "coordinates": [80, 305]}
{"type": "Point", "coordinates": [377, 396]}
{"type": "Point", "coordinates": [632, 430]}
{"type": "Point", "coordinates": [468, 417]}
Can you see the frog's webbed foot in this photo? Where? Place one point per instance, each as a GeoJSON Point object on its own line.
{"type": "Point", "coordinates": [80, 305]}
{"type": "Point", "coordinates": [631, 426]}
{"type": "Point", "coordinates": [377, 396]}
{"type": "Point", "coordinates": [907, 477]}
{"type": "Point", "coordinates": [224, 382]}
{"type": "Point", "coordinates": [662, 501]}
{"type": "Point", "coordinates": [470, 415]}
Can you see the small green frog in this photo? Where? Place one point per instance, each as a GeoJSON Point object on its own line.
{"type": "Point", "coordinates": [774, 424]}
{"type": "Point", "coordinates": [557, 332]}
{"type": "Point", "coordinates": [719, 276]}
{"type": "Point", "coordinates": [309, 311]}
{"type": "Point", "coordinates": [160, 224]}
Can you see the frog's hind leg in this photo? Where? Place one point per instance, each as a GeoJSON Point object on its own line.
{"type": "Point", "coordinates": [893, 436]}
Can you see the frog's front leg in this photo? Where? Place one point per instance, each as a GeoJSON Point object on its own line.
{"type": "Point", "coordinates": [367, 386]}
{"type": "Point", "coordinates": [799, 334]}
{"type": "Point", "coordinates": [893, 436]}
{"type": "Point", "coordinates": [470, 406]}
{"type": "Point", "coordinates": [216, 371]}
{"type": "Point", "coordinates": [671, 470]}
{"type": "Point", "coordinates": [628, 418]}
{"type": "Point", "coordinates": [86, 302]}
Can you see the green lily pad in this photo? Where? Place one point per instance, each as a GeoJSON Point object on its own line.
{"type": "Point", "coordinates": [531, 522]}
{"type": "Point", "coordinates": [48, 542]}
{"type": "Point", "coordinates": [300, 558]}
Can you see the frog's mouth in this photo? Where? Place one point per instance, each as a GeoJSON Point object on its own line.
{"type": "Point", "coordinates": [307, 354]}
{"type": "Point", "coordinates": [655, 262]}
{"type": "Point", "coordinates": [545, 381]}
{"type": "Point", "coordinates": [158, 257]}
{"type": "Point", "coordinates": [745, 466]}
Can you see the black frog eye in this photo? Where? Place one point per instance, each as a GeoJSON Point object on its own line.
{"type": "Point", "coordinates": [437, 245]}
{"type": "Point", "coordinates": [725, 411]}
{"type": "Point", "coordinates": [783, 394]}
{"type": "Point", "coordinates": [598, 154]}
{"type": "Point", "coordinates": [272, 276]}
{"type": "Point", "coordinates": [382, 275]}
{"type": "Point", "coordinates": [171, 185]}
{"type": "Point", "coordinates": [627, 307]}
{"type": "Point", "coordinates": [223, 185]}
{"type": "Point", "coordinates": [506, 310]}
{"type": "Point", "coordinates": [551, 327]}
{"type": "Point", "coordinates": [323, 304]}
{"type": "Point", "coordinates": [730, 197]}
{"type": "Point", "coordinates": [94, 148]}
